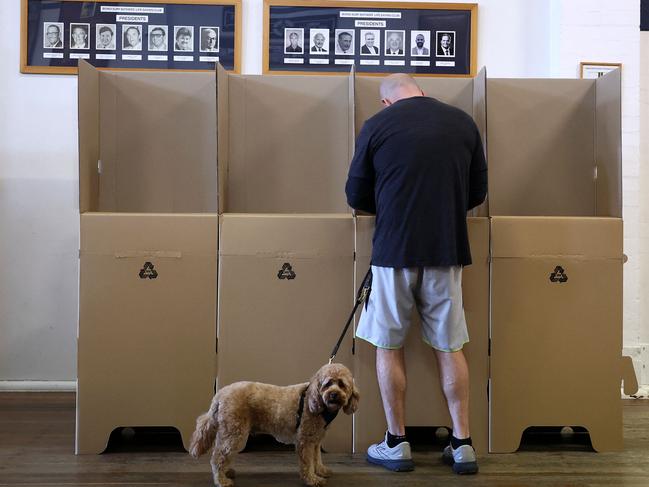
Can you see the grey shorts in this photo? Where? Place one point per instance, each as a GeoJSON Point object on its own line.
{"type": "Point", "coordinates": [436, 293]}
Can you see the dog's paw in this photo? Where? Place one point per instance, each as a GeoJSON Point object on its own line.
{"type": "Point", "coordinates": [225, 483]}
{"type": "Point", "coordinates": [230, 473]}
{"type": "Point", "coordinates": [315, 481]}
{"type": "Point", "coordinates": [323, 471]}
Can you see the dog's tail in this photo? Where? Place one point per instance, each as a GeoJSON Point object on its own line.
{"type": "Point", "coordinates": [203, 438]}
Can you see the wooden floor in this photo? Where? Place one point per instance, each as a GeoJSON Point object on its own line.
{"type": "Point", "coordinates": [37, 449]}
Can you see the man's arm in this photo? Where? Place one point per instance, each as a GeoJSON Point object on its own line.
{"type": "Point", "coordinates": [360, 180]}
{"type": "Point", "coordinates": [477, 175]}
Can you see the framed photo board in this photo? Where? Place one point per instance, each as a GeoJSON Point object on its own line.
{"type": "Point", "coordinates": [187, 35]}
{"type": "Point", "coordinates": [591, 70]}
{"type": "Point", "coordinates": [432, 39]}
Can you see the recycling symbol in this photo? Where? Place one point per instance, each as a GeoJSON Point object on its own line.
{"type": "Point", "coordinates": [148, 271]}
{"type": "Point", "coordinates": [559, 275]}
{"type": "Point", "coordinates": [286, 272]}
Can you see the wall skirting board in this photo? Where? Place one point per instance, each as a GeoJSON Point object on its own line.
{"type": "Point", "coordinates": [38, 385]}
{"type": "Point", "coordinates": [71, 386]}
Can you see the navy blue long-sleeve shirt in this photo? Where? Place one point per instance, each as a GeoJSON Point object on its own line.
{"type": "Point", "coordinates": [419, 165]}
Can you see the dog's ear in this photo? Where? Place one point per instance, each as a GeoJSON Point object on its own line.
{"type": "Point", "coordinates": [352, 403]}
{"type": "Point", "coordinates": [314, 399]}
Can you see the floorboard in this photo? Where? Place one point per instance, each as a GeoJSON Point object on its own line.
{"type": "Point", "coordinates": [37, 449]}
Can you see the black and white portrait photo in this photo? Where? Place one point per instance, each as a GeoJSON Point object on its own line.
{"type": "Point", "coordinates": [105, 36]}
{"type": "Point", "coordinates": [53, 35]}
{"type": "Point", "coordinates": [445, 43]}
{"type": "Point", "coordinates": [420, 43]}
{"type": "Point", "coordinates": [370, 42]}
{"type": "Point", "coordinates": [345, 41]}
{"type": "Point", "coordinates": [131, 37]}
{"type": "Point", "coordinates": [293, 41]}
{"type": "Point", "coordinates": [79, 38]}
{"type": "Point", "coordinates": [319, 41]}
{"type": "Point", "coordinates": [209, 39]}
{"type": "Point", "coordinates": [158, 38]}
{"type": "Point", "coordinates": [394, 42]}
{"type": "Point", "coordinates": [184, 38]}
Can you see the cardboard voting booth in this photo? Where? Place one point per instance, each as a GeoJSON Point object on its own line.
{"type": "Point", "coordinates": [556, 251]}
{"type": "Point", "coordinates": [286, 252]}
{"type": "Point", "coordinates": [148, 204]}
{"type": "Point", "coordinates": [425, 402]}
{"type": "Point", "coordinates": [214, 228]}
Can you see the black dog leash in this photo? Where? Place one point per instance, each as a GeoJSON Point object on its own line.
{"type": "Point", "coordinates": [361, 296]}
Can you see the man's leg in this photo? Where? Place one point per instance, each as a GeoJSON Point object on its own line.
{"type": "Point", "coordinates": [391, 374]}
{"type": "Point", "coordinates": [384, 325]}
{"type": "Point", "coordinates": [394, 451]}
{"type": "Point", "coordinates": [454, 378]}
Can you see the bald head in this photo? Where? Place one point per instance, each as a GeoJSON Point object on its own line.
{"type": "Point", "coordinates": [397, 87]}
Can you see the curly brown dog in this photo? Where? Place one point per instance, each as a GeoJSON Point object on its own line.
{"type": "Point", "coordinates": [297, 414]}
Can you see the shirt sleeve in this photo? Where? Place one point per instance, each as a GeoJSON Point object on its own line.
{"type": "Point", "coordinates": [360, 180]}
{"type": "Point", "coordinates": [477, 175]}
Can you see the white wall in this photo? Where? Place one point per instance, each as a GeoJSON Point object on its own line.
{"type": "Point", "coordinates": [641, 344]}
{"type": "Point", "coordinates": [38, 216]}
{"type": "Point", "coordinates": [38, 161]}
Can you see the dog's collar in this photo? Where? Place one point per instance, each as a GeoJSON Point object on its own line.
{"type": "Point", "coordinates": [300, 408]}
{"type": "Point", "coordinates": [327, 415]}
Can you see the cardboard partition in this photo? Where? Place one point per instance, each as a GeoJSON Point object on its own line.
{"type": "Point", "coordinates": [286, 143]}
{"type": "Point", "coordinates": [608, 137]}
{"type": "Point", "coordinates": [147, 314]}
{"type": "Point", "coordinates": [467, 94]}
{"type": "Point", "coordinates": [88, 113]}
{"type": "Point", "coordinates": [556, 328]}
{"type": "Point", "coordinates": [554, 147]}
{"type": "Point", "coordinates": [147, 141]}
{"type": "Point", "coordinates": [285, 293]}
{"type": "Point", "coordinates": [425, 402]}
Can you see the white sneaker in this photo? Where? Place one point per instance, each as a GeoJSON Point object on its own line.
{"type": "Point", "coordinates": [463, 459]}
{"type": "Point", "coordinates": [397, 459]}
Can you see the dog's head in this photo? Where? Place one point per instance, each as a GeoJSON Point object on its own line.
{"type": "Point", "coordinates": [332, 388]}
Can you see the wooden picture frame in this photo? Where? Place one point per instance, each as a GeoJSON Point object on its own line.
{"type": "Point", "coordinates": [471, 8]}
{"type": "Point", "coordinates": [593, 70]}
{"type": "Point", "coordinates": [25, 38]}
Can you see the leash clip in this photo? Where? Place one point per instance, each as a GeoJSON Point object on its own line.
{"type": "Point", "coordinates": [364, 293]}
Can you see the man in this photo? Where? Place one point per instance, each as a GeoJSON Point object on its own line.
{"type": "Point", "coordinates": [318, 43]}
{"type": "Point", "coordinates": [394, 43]}
{"type": "Point", "coordinates": [209, 41]}
{"type": "Point", "coordinates": [369, 47]}
{"type": "Point", "coordinates": [293, 43]}
{"type": "Point", "coordinates": [132, 39]}
{"type": "Point", "coordinates": [105, 39]}
{"type": "Point", "coordinates": [419, 166]}
{"type": "Point", "coordinates": [53, 37]}
{"type": "Point", "coordinates": [157, 39]}
{"type": "Point", "coordinates": [344, 44]}
{"type": "Point", "coordinates": [445, 47]}
{"type": "Point", "coordinates": [183, 40]}
{"type": "Point", "coordinates": [79, 37]}
{"type": "Point", "coordinates": [419, 49]}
